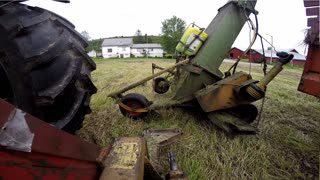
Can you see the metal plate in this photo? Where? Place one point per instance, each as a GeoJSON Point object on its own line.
{"type": "Point", "coordinates": [221, 95]}
{"type": "Point", "coordinates": [126, 159]}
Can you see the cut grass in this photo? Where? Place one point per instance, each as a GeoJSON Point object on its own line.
{"type": "Point", "coordinates": [287, 146]}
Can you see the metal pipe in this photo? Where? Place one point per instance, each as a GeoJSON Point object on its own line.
{"type": "Point", "coordinates": [271, 47]}
{"type": "Point", "coordinates": [270, 75]}
{"type": "Point", "coordinates": [154, 66]}
{"type": "Point", "coordinates": [133, 85]}
{"type": "Point", "coordinates": [285, 58]}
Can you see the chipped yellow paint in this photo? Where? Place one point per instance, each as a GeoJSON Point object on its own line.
{"type": "Point", "coordinates": [126, 155]}
{"type": "Point", "coordinates": [126, 159]}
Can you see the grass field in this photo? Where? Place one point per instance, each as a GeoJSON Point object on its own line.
{"type": "Point", "coordinates": [287, 146]}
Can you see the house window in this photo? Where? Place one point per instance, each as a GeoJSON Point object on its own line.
{"type": "Point", "coordinates": [151, 49]}
{"type": "Point", "coordinates": [109, 50]}
{"type": "Point", "coordinates": [124, 49]}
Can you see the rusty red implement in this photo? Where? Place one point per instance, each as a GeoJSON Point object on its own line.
{"type": "Point", "coordinates": [55, 154]}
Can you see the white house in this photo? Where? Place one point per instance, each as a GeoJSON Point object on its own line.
{"type": "Point", "coordinates": [124, 48]}
{"type": "Point", "coordinates": [92, 53]}
{"type": "Point", "coordinates": [116, 47]}
{"type": "Point", "coordinates": [152, 50]}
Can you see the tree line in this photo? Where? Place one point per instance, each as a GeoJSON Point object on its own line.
{"type": "Point", "coordinates": [171, 31]}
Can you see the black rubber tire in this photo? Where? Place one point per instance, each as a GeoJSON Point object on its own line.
{"type": "Point", "coordinates": [161, 88]}
{"type": "Point", "coordinates": [46, 67]}
{"type": "Point", "coordinates": [134, 100]}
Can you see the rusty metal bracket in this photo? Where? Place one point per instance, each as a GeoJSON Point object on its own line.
{"type": "Point", "coordinates": [158, 138]}
{"type": "Point", "coordinates": [175, 173]}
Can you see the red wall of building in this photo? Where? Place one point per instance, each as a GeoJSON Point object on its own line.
{"type": "Point", "coordinates": [268, 59]}
{"type": "Point", "coordinates": [256, 57]}
{"type": "Point", "coordinates": [294, 61]}
{"type": "Point", "coordinates": [235, 52]}
{"type": "Point", "coordinates": [298, 62]}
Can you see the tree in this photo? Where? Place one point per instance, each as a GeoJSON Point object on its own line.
{"type": "Point", "coordinates": [138, 38]}
{"type": "Point", "coordinates": [85, 35]}
{"type": "Point", "coordinates": [147, 39]}
{"type": "Point", "coordinates": [172, 30]}
{"type": "Point", "coordinates": [94, 44]}
{"type": "Point", "coordinates": [138, 33]}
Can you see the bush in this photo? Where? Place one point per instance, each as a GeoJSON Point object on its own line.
{"type": "Point", "coordinates": [170, 56]}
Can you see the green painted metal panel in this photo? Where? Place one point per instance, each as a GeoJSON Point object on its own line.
{"type": "Point", "coordinates": [222, 31]}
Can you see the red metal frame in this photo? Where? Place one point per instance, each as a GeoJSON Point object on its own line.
{"type": "Point", "coordinates": [54, 153]}
{"type": "Point", "coordinates": [24, 165]}
{"type": "Point", "coordinates": [310, 79]}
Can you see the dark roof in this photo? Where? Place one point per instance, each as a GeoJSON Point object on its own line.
{"type": "Point", "coordinates": [240, 48]}
{"type": "Point", "coordinates": [146, 46]}
{"type": "Point", "coordinates": [117, 42]}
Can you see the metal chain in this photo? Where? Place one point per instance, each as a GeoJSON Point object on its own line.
{"type": "Point", "coordinates": [250, 49]}
{"type": "Point", "coordinates": [255, 30]}
{"type": "Point", "coordinates": [263, 56]}
{"type": "Point", "coordinates": [264, 72]}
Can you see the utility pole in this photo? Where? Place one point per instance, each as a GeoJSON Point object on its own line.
{"type": "Point", "coordinates": [147, 45]}
{"type": "Point", "coordinates": [271, 47]}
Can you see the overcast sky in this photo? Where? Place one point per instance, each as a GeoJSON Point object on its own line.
{"type": "Point", "coordinates": [285, 20]}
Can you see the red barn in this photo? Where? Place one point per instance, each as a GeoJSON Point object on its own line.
{"type": "Point", "coordinates": [256, 55]}
{"type": "Point", "coordinates": [235, 53]}
{"type": "Point", "coordinates": [297, 60]}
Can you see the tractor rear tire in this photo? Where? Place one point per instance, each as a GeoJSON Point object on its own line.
{"type": "Point", "coordinates": [44, 69]}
